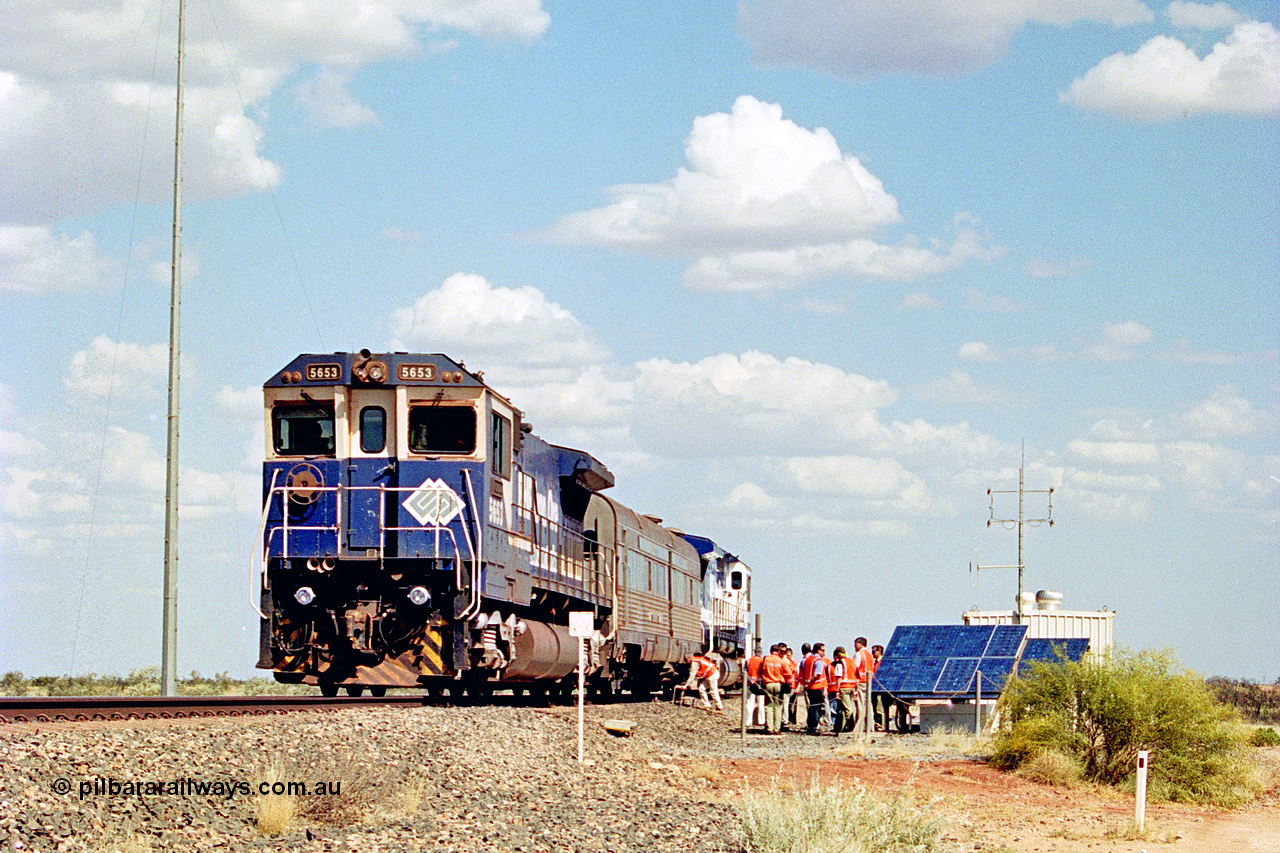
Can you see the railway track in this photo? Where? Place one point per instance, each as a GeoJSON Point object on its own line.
{"type": "Point", "coordinates": [72, 709]}
{"type": "Point", "coordinates": [50, 709]}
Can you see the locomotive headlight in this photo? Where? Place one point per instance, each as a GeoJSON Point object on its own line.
{"type": "Point", "coordinates": [305, 595]}
{"type": "Point", "coordinates": [419, 595]}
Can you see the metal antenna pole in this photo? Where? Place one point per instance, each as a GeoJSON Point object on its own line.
{"type": "Point", "coordinates": [1021, 521]}
{"type": "Point", "coordinates": [169, 639]}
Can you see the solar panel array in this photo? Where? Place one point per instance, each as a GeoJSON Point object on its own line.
{"type": "Point", "coordinates": [941, 661]}
{"type": "Point", "coordinates": [1045, 649]}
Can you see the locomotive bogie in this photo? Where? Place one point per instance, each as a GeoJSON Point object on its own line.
{"type": "Point", "coordinates": [414, 530]}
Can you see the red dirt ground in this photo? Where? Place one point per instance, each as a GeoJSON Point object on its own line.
{"type": "Point", "coordinates": [991, 810]}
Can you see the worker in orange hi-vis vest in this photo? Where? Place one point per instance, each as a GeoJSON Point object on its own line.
{"type": "Point", "coordinates": [846, 683]}
{"type": "Point", "coordinates": [706, 669]}
{"type": "Point", "coordinates": [754, 695]}
{"type": "Point", "coordinates": [832, 709]}
{"type": "Point", "coordinates": [773, 675]}
{"type": "Point", "coordinates": [864, 666]}
{"type": "Point", "coordinates": [793, 692]}
{"type": "Point", "coordinates": [813, 675]}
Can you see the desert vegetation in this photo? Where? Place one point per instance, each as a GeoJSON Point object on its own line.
{"type": "Point", "coordinates": [142, 682]}
{"type": "Point", "coordinates": [1090, 719]}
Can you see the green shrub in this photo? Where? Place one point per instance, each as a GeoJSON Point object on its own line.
{"type": "Point", "coordinates": [1264, 737]}
{"type": "Point", "coordinates": [835, 819]}
{"type": "Point", "coordinates": [1103, 713]}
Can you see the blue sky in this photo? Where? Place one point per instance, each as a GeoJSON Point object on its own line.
{"type": "Point", "coordinates": [805, 275]}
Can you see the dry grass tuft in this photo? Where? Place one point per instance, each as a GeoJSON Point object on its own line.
{"type": "Point", "coordinates": [354, 794]}
{"type": "Point", "coordinates": [120, 842]}
{"type": "Point", "coordinates": [940, 743]}
{"type": "Point", "coordinates": [276, 812]}
{"type": "Point", "coordinates": [836, 819]}
{"type": "Point", "coordinates": [706, 771]}
{"type": "Point", "coordinates": [1052, 767]}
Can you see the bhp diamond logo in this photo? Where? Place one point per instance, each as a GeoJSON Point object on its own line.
{"type": "Point", "coordinates": [433, 503]}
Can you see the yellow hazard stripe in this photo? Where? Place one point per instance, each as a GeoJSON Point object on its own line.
{"type": "Point", "coordinates": [432, 656]}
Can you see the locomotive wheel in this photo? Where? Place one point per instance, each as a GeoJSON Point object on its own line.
{"type": "Point", "coordinates": [355, 689]}
{"type": "Point", "coordinates": [378, 691]}
{"type": "Point", "coordinates": [328, 691]}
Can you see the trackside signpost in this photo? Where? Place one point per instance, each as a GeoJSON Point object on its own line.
{"type": "Point", "coordinates": [581, 626]}
{"type": "Point", "coordinates": [1140, 793]}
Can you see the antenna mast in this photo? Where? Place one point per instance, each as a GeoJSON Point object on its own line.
{"type": "Point", "coordinates": [1021, 521]}
{"type": "Point", "coordinates": [169, 638]}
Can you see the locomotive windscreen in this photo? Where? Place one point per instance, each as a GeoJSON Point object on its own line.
{"type": "Point", "coordinates": [303, 430]}
{"type": "Point", "coordinates": [442, 429]}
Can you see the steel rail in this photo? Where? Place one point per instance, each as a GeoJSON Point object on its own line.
{"type": "Point", "coordinates": [50, 709]}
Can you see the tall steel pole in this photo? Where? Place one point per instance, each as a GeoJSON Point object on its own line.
{"type": "Point", "coordinates": [169, 640]}
{"type": "Point", "coordinates": [1021, 521]}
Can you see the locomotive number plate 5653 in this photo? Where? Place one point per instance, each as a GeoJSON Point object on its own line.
{"type": "Point", "coordinates": [324, 372]}
{"type": "Point", "coordinates": [416, 372]}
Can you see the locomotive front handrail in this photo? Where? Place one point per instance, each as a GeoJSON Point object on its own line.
{"type": "Point", "coordinates": [478, 554]}
{"type": "Point", "coordinates": [262, 537]}
{"type": "Point", "coordinates": [284, 528]}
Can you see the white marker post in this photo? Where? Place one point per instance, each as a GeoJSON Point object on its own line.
{"type": "Point", "coordinates": [748, 699]}
{"type": "Point", "coordinates": [1140, 792]}
{"type": "Point", "coordinates": [582, 626]}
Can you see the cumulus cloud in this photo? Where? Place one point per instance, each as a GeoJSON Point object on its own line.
{"type": "Point", "coordinates": [1119, 341]}
{"type": "Point", "coordinates": [769, 204]}
{"type": "Point", "coordinates": [921, 301]}
{"type": "Point", "coordinates": [860, 258]}
{"type": "Point", "coordinates": [78, 91]}
{"type": "Point", "coordinates": [123, 371]}
{"type": "Point", "coordinates": [754, 404]}
{"type": "Point", "coordinates": [755, 179]}
{"type": "Point", "coordinates": [1116, 452]}
{"type": "Point", "coordinates": [1202, 16]}
{"type": "Point", "coordinates": [976, 300]}
{"type": "Point", "coordinates": [1166, 79]}
{"type": "Point", "coordinates": [494, 325]}
{"type": "Point", "coordinates": [978, 351]}
{"type": "Point", "coordinates": [1226, 413]}
{"type": "Point", "coordinates": [36, 260]}
{"type": "Point", "coordinates": [933, 38]}
{"type": "Point", "coordinates": [852, 475]}
{"type": "Point", "coordinates": [329, 102]}
{"type": "Point", "coordinates": [960, 387]}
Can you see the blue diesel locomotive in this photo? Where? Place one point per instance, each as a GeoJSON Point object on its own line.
{"type": "Point", "coordinates": [415, 533]}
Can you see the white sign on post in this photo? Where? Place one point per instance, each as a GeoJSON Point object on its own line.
{"type": "Point", "coordinates": [582, 624]}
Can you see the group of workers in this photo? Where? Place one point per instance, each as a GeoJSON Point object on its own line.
{"type": "Point", "coordinates": [832, 689]}
{"type": "Point", "coordinates": [828, 693]}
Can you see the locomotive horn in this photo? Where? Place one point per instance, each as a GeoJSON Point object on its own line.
{"type": "Point", "coordinates": [327, 564]}
{"type": "Point", "coordinates": [313, 564]}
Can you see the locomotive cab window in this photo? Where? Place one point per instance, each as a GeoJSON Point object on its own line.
{"type": "Point", "coordinates": [735, 580]}
{"type": "Point", "coordinates": [500, 447]}
{"type": "Point", "coordinates": [302, 430]}
{"type": "Point", "coordinates": [442, 429]}
{"type": "Point", "coordinates": [373, 429]}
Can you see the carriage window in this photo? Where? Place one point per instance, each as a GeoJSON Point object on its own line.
{"type": "Point", "coordinates": [500, 449]}
{"type": "Point", "coordinates": [442, 429]}
{"type": "Point", "coordinates": [302, 430]}
{"type": "Point", "coordinates": [373, 429]}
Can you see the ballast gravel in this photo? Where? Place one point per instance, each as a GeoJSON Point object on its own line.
{"type": "Point", "coordinates": [496, 778]}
